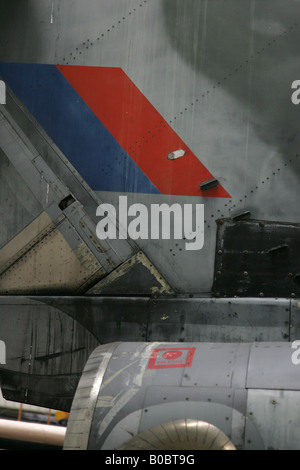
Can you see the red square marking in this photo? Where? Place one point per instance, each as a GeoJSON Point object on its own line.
{"type": "Point", "coordinates": [167, 358]}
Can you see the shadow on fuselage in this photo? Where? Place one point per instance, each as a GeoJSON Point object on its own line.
{"type": "Point", "coordinates": [249, 49]}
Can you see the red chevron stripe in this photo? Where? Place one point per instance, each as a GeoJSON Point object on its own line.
{"type": "Point", "coordinates": [140, 130]}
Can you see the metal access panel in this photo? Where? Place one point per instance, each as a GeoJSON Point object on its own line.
{"type": "Point", "coordinates": [257, 258]}
{"type": "Point", "coordinates": [270, 366]}
{"type": "Point", "coordinates": [276, 407]}
{"type": "Point", "coordinates": [48, 243]}
{"type": "Point", "coordinates": [56, 260]}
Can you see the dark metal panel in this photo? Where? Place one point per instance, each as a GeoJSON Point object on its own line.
{"type": "Point", "coordinates": [257, 258]}
{"type": "Point", "coordinates": [109, 319]}
{"type": "Point", "coordinates": [228, 320]}
{"type": "Point", "coordinates": [56, 392]}
{"type": "Point", "coordinates": [135, 275]}
{"type": "Point", "coordinates": [177, 318]}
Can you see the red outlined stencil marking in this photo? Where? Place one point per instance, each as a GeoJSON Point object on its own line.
{"type": "Point", "coordinates": [168, 358]}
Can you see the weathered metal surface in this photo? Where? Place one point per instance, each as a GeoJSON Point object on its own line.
{"type": "Point", "coordinates": [256, 258]}
{"type": "Point", "coordinates": [58, 251]}
{"type": "Point", "coordinates": [281, 409]}
{"type": "Point", "coordinates": [85, 400]}
{"type": "Point", "coordinates": [134, 275]}
{"type": "Point", "coordinates": [45, 354]}
{"type": "Point", "coordinates": [141, 386]}
{"type": "Point", "coordinates": [179, 319]}
{"type": "Point", "coordinates": [261, 371]}
{"type": "Point", "coordinates": [229, 320]}
{"type": "Point", "coordinates": [295, 318]}
{"type": "Point", "coordinates": [51, 264]}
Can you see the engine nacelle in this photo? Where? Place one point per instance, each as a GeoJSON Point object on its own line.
{"type": "Point", "coordinates": [187, 396]}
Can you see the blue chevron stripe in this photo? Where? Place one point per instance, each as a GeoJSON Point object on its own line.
{"type": "Point", "coordinates": [75, 129]}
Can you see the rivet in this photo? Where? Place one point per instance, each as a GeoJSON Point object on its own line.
{"type": "Point", "coordinates": [297, 277]}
